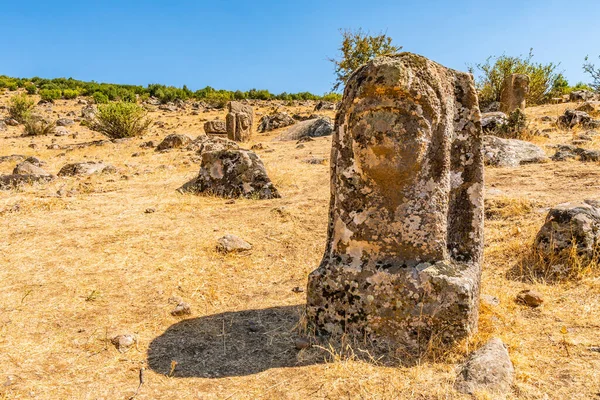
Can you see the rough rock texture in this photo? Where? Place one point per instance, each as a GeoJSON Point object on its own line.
{"type": "Point", "coordinates": [582, 95]}
{"type": "Point", "coordinates": [530, 298]}
{"type": "Point", "coordinates": [64, 122]}
{"type": "Point", "coordinates": [123, 342]}
{"type": "Point", "coordinates": [239, 121]}
{"type": "Point", "coordinates": [405, 237]}
{"type": "Point", "coordinates": [8, 182]}
{"type": "Point", "coordinates": [311, 128]}
{"type": "Point", "coordinates": [85, 168]}
{"type": "Point", "coordinates": [324, 105]}
{"type": "Point", "coordinates": [500, 152]}
{"type": "Point", "coordinates": [566, 152]}
{"type": "Point", "coordinates": [589, 107]}
{"type": "Point", "coordinates": [232, 173]}
{"type": "Point", "coordinates": [174, 141]}
{"type": "Point", "coordinates": [232, 244]}
{"type": "Point", "coordinates": [29, 168]}
{"type": "Point", "coordinates": [514, 92]}
{"type": "Point", "coordinates": [487, 369]}
{"type": "Point", "coordinates": [571, 224]}
{"type": "Point", "coordinates": [215, 127]}
{"type": "Point", "coordinates": [572, 118]}
{"type": "Point", "coordinates": [275, 121]}
{"type": "Point", "coordinates": [3, 127]}
{"type": "Point", "coordinates": [493, 120]}
{"type": "Point", "coordinates": [207, 143]}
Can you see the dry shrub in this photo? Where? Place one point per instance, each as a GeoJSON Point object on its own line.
{"type": "Point", "coordinates": [121, 120]}
{"type": "Point", "coordinates": [36, 126]}
{"type": "Point", "coordinates": [508, 207]}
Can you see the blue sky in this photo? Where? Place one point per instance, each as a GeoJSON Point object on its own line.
{"type": "Point", "coordinates": [277, 45]}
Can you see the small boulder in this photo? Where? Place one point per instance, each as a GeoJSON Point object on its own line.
{"type": "Point", "coordinates": [500, 152]}
{"type": "Point", "coordinates": [572, 118]}
{"type": "Point", "coordinates": [212, 143]}
{"type": "Point", "coordinates": [3, 127]}
{"type": "Point", "coordinates": [491, 121]}
{"type": "Point", "coordinates": [123, 342]}
{"type": "Point", "coordinates": [232, 173]}
{"type": "Point", "coordinates": [64, 122]}
{"type": "Point", "coordinates": [581, 95]}
{"type": "Point", "coordinates": [181, 309]}
{"type": "Point", "coordinates": [571, 224]}
{"type": "Point", "coordinates": [311, 128]}
{"type": "Point", "coordinates": [215, 127]}
{"type": "Point", "coordinates": [275, 121]}
{"type": "Point", "coordinates": [61, 131]}
{"type": "Point", "coordinates": [13, 181]}
{"type": "Point", "coordinates": [530, 298]}
{"type": "Point", "coordinates": [324, 105]}
{"type": "Point", "coordinates": [232, 244]}
{"type": "Point", "coordinates": [85, 168]}
{"type": "Point", "coordinates": [487, 369]}
{"type": "Point", "coordinates": [29, 168]}
{"type": "Point", "coordinates": [174, 141]}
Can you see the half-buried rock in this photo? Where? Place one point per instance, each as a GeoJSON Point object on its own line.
{"type": "Point", "coordinates": [174, 141]}
{"type": "Point", "coordinates": [321, 126]}
{"type": "Point", "coordinates": [86, 168]}
{"type": "Point", "coordinates": [500, 152]}
{"type": "Point", "coordinates": [405, 238]}
{"type": "Point", "coordinates": [232, 173]}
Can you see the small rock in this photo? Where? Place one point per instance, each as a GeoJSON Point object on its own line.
{"type": "Point", "coordinates": [490, 300]}
{"type": "Point", "coordinates": [11, 122]}
{"type": "Point", "coordinates": [64, 122]}
{"type": "Point", "coordinates": [150, 210]}
{"type": "Point", "coordinates": [231, 243]}
{"type": "Point", "coordinates": [298, 289]}
{"type": "Point", "coordinates": [123, 342]}
{"type": "Point", "coordinates": [315, 160]}
{"type": "Point", "coordinates": [301, 343]}
{"type": "Point", "coordinates": [181, 309]}
{"type": "Point", "coordinates": [530, 298]}
{"type": "Point", "coordinates": [300, 146]}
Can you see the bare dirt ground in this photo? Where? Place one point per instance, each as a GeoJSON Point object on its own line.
{"type": "Point", "coordinates": [81, 261]}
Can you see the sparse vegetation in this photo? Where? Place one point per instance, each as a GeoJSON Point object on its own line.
{"type": "Point", "coordinates": [37, 126]}
{"type": "Point", "coordinates": [121, 120]}
{"type": "Point", "coordinates": [50, 94]}
{"type": "Point", "coordinates": [356, 49]}
{"type": "Point", "coordinates": [100, 98]}
{"type": "Point", "coordinates": [594, 73]}
{"type": "Point", "coordinates": [20, 107]}
{"type": "Point", "coordinates": [491, 74]}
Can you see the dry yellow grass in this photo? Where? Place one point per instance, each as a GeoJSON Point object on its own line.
{"type": "Point", "coordinates": [78, 268]}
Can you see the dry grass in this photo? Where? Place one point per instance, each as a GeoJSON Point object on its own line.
{"type": "Point", "coordinates": [83, 266]}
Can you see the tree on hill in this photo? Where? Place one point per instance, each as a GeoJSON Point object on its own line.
{"type": "Point", "coordinates": [594, 73]}
{"type": "Point", "coordinates": [357, 48]}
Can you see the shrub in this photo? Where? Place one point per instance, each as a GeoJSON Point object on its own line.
{"type": "Point", "coordinates": [516, 127]}
{"type": "Point", "coordinates": [20, 107]}
{"type": "Point", "coordinates": [120, 120]}
{"type": "Point", "coordinates": [494, 70]}
{"type": "Point", "coordinates": [100, 98]}
{"type": "Point", "coordinates": [12, 86]}
{"type": "Point", "coordinates": [50, 94]}
{"type": "Point", "coordinates": [30, 88]}
{"type": "Point", "coordinates": [36, 126]}
{"type": "Point", "coordinates": [70, 94]}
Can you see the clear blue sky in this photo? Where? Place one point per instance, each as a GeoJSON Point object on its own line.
{"type": "Point", "coordinates": [277, 45]}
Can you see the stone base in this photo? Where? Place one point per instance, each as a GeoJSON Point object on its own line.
{"type": "Point", "coordinates": [405, 306]}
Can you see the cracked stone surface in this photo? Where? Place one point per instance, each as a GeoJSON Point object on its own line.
{"type": "Point", "coordinates": [405, 235]}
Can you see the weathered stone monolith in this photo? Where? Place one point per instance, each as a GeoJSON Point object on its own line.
{"type": "Point", "coordinates": [405, 238]}
{"type": "Point", "coordinates": [514, 92]}
{"type": "Point", "coordinates": [239, 121]}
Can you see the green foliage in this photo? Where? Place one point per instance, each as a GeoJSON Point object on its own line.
{"type": "Point", "coordinates": [19, 107]}
{"type": "Point", "coordinates": [495, 70]}
{"type": "Point", "coordinates": [594, 73]}
{"type": "Point", "coordinates": [333, 97]}
{"type": "Point", "coordinates": [516, 125]}
{"type": "Point", "coordinates": [50, 94]}
{"type": "Point", "coordinates": [36, 126]}
{"type": "Point", "coordinates": [30, 88]}
{"type": "Point", "coordinates": [70, 94]}
{"type": "Point", "coordinates": [358, 48]}
{"type": "Point", "coordinates": [120, 120]}
{"type": "Point", "coordinates": [100, 98]}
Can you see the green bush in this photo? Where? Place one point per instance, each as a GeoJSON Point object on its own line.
{"type": "Point", "coordinates": [100, 98]}
{"type": "Point", "coordinates": [12, 86]}
{"type": "Point", "coordinates": [50, 94]}
{"type": "Point", "coordinates": [20, 107]}
{"type": "Point", "coordinates": [36, 126]}
{"type": "Point", "coordinates": [495, 70]}
{"type": "Point", "coordinates": [70, 94]}
{"type": "Point", "coordinates": [30, 88]}
{"type": "Point", "coordinates": [120, 120]}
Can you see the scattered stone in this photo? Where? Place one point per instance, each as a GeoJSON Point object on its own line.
{"type": "Point", "coordinates": [566, 152]}
{"type": "Point", "coordinates": [61, 131]}
{"type": "Point", "coordinates": [299, 117]}
{"type": "Point", "coordinates": [582, 95]}
{"type": "Point", "coordinates": [310, 128]}
{"type": "Point", "coordinates": [3, 127]}
{"type": "Point", "coordinates": [305, 139]}
{"type": "Point", "coordinates": [530, 298]}
{"type": "Point", "coordinates": [547, 118]}
{"type": "Point", "coordinates": [492, 121]}
{"type": "Point", "coordinates": [275, 121]}
{"type": "Point", "coordinates": [124, 342]}
{"type": "Point", "coordinates": [571, 224]}
{"type": "Point", "coordinates": [168, 107]}
{"type": "Point", "coordinates": [302, 343]}
{"type": "Point", "coordinates": [29, 168]}
{"type": "Point", "coordinates": [149, 144]}
{"type": "Point", "coordinates": [86, 168]}
{"type": "Point", "coordinates": [315, 160]}
{"type": "Point", "coordinates": [298, 289]}
{"type": "Point", "coordinates": [324, 105]}
{"type": "Point", "coordinates": [11, 122]}
{"type": "Point", "coordinates": [89, 112]}
{"type": "Point", "coordinates": [181, 309]}
{"type": "Point", "coordinates": [215, 127]}
{"type": "Point", "coordinates": [239, 121]}
{"type": "Point", "coordinates": [212, 143]}
{"type": "Point", "coordinates": [12, 158]}
{"type": "Point", "coordinates": [500, 152]}
{"type": "Point", "coordinates": [487, 369]}
{"type": "Point", "coordinates": [64, 122]}
{"type": "Point", "coordinates": [514, 92]}
{"type": "Point", "coordinates": [174, 141]}
{"type": "Point", "coordinates": [150, 210]}
{"type": "Point", "coordinates": [232, 244]}
{"type": "Point", "coordinates": [300, 146]}
{"type": "Point", "coordinates": [492, 107]}
{"type": "Point", "coordinates": [589, 107]}
{"type": "Point", "coordinates": [405, 238]}
{"type": "Point", "coordinates": [232, 173]}
{"type": "Point", "coordinates": [572, 118]}
{"type": "Point", "coordinates": [492, 301]}
{"type": "Point", "coordinates": [13, 181]}
{"type": "Point", "coordinates": [257, 146]}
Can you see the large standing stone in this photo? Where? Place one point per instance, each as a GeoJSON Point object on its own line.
{"type": "Point", "coordinates": [405, 237]}
{"type": "Point", "coordinates": [232, 173]}
{"type": "Point", "coordinates": [239, 121]}
{"type": "Point", "coordinates": [514, 92]}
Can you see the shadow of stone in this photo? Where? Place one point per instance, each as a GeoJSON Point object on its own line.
{"type": "Point", "coordinates": [230, 344]}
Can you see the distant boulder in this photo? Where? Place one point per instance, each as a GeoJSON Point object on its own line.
{"type": "Point", "coordinates": [582, 95]}
{"type": "Point", "coordinates": [572, 118]}
{"type": "Point", "coordinates": [500, 152]}
{"type": "Point", "coordinates": [275, 121]}
{"type": "Point", "coordinates": [491, 121]}
{"type": "Point", "coordinates": [324, 105]}
{"type": "Point", "coordinates": [13, 181]}
{"type": "Point", "coordinates": [85, 168]}
{"type": "Point", "coordinates": [311, 128]}
{"type": "Point", "coordinates": [174, 141]}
